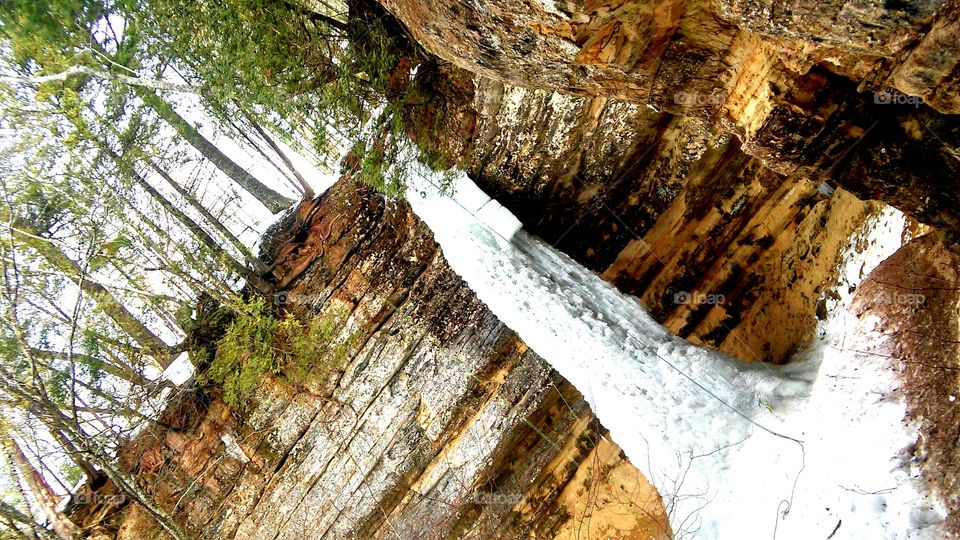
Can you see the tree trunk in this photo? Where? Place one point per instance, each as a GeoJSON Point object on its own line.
{"type": "Point", "coordinates": [129, 486]}
{"type": "Point", "coordinates": [255, 263]}
{"type": "Point", "coordinates": [213, 285]}
{"type": "Point", "coordinates": [308, 192]}
{"type": "Point", "coordinates": [151, 344]}
{"type": "Point", "coordinates": [274, 201]}
{"type": "Point", "coordinates": [208, 241]}
{"type": "Point", "coordinates": [45, 497]}
{"type": "Point", "coordinates": [74, 454]}
{"type": "Point", "coordinates": [258, 146]}
{"type": "Point", "coordinates": [74, 439]}
{"type": "Point", "coordinates": [126, 482]}
{"type": "Point", "coordinates": [304, 8]}
{"type": "Point", "coordinates": [165, 315]}
{"type": "Point", "coordinates": [14, 516]}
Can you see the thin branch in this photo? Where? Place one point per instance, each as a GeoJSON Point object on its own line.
{"type": "Point", "coordinates": [101, 74]}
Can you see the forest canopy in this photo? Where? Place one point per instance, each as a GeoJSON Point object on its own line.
{"type": "Point", "coordinates": [146, 144]}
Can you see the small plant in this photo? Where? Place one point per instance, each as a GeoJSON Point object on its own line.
{"type": "Point", "coordinates": [375, 170]}
{"type": "Point", "coordinates": [257, 342]}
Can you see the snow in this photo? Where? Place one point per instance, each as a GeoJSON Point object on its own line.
{"type": "Point", "coordinates": [732, 448]}
{"type": "Point", "coordinates": [233, 449]}
{"type": "Point", "coordinates": [550, 6]}
{"type": "Point", "coordinates": [853, 421]}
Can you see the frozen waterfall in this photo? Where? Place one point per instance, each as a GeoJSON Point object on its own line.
{"type": "Point", "coordinates": [721, 440]}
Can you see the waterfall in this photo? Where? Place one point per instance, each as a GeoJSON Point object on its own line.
{"type": "Point", "coordinates": [676, 409]}
{"type": "Point", "coordinates": [721, 440]}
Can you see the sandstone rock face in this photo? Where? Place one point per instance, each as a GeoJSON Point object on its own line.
{"type": "Point", "coordinates": [441, 424]}
{"type": "Point", "coordinates": [723, 250]}
{"type": "Point", "coordinates": [912, 298]}
{"type": "Point", "coordinates": [879, 29]}
{"type": "Point", "coordinates": [642, 50]}
{"type": "Point", "coordinates": [930, 68]}
{"type": "Point", "coordinates": [809, 88]}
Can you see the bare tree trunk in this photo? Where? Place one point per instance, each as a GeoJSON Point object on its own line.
{"type": "Point", "coordinates": [108, 304]}
{"type": "Point", "coordinates": [73, 438]}
{"type": "Point", "coordinates": [74, 453]}
{"type": "Point", "coordinates": [45, 497]}
{"type": "Point", "coordinates": [14, 516]}
{"type": "Point", "coordinates": [129, 486]}
{"type": "Point", "coordinates": [255, 263]}
{"type": "Point", "coordinates": [215, 288]}
{"type": "Point", "coordinates": [166, 315]}
{"type": "Point", "coordinates": [307, 9]}
{"type": "Point", "coordinates": [274, 201]}
{"type": "Point", "coordinates": [242, 132]}
{"type": "Point", "coordinates": [304, 185]}
{"type": "Point", "coordinates": [126, 482]}
{"type": "Point", "coordinates": [208, 241]}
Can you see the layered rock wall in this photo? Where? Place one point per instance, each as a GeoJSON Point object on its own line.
{"type": "Point", "coordinates": [721, 249]}
{"type": "Point", "coordinates": [440, 424]}
{"type": "Point", "coordinates": [855, 94]}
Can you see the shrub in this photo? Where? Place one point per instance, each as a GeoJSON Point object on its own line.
{"type": "Point", "coordinates": [257, 342]}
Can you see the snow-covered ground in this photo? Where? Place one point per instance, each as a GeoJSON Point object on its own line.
{"type": "Point", "coordinates": [731, 447]}
{"type": "Point", "coordinates": [859, 475]}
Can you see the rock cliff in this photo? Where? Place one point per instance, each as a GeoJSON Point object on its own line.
{"type": "Point", "coordinates": [855, 94]}
{"type": "Point", "coordinates": [717, 160]}
{"type": "Point", "coordinates": [721, 248]}
{"type": "Point", "coordinates": [441, 423]}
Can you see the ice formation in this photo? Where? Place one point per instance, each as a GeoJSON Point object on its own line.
{"type": "Point", "coordinates": [736, 450]}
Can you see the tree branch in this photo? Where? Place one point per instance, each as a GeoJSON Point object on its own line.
{"type": "Point", "coordinates": [101, 74]}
